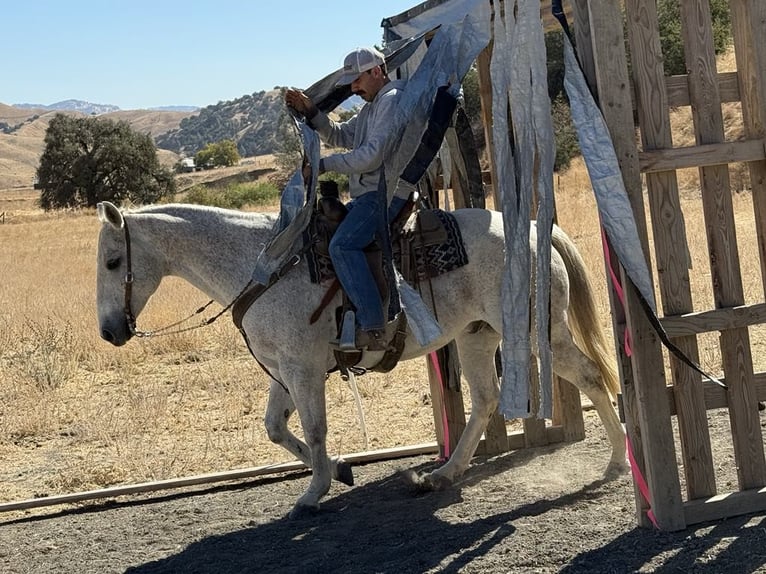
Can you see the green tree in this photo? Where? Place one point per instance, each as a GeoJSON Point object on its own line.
{"type": "Point", "coordinates": [87, 160]}
{"type": "Point", "coordinates": [220, 154]}
{"type": "Point", "coordinates": [671, 40]}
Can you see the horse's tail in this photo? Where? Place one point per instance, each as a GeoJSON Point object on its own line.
{"type": "Point", "coordinates": [584, 320]}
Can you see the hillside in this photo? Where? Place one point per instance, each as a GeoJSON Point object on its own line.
{"type": "Point", "coordinates": [22, 136]}
{"type": "Point", "coordinates": [251, 121]}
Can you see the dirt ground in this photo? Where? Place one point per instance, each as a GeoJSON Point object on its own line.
{"type": "Point", "coordinates": [540, 510]}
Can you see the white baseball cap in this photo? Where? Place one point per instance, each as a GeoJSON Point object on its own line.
{"type": "Point", "coordinates": [359, 61]}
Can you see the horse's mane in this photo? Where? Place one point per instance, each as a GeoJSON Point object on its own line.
{"type": "Point", "coordinates": [195, 211]}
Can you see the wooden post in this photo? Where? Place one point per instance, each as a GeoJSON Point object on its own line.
{"type": "Point", "coordinates": [447, 401]}
{"type": "Point", "coordinates": [485, 92]}
{"type": "Point", "coordinates": [748, 19]}
{"type": "Point", "coordinates": [647, 365]}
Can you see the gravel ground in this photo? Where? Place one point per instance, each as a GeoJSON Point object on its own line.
{"type": "Point", "coordinates": [542, 510]}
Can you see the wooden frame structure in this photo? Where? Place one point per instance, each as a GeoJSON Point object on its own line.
{"type": "Point", "coordinates": [642, 102]}
{"type": "Point", "coordinates": [649, 400]}
{"type": "Point", "coordinates": [567, 424]}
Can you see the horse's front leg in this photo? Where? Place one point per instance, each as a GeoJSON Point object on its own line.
{"type": "Point", "coordinates": [306, 386]}
{"type": "Point", "coordinates": [278, 412]}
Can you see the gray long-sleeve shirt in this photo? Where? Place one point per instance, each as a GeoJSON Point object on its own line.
{"type": "Point", "coordinates": [366, 137]}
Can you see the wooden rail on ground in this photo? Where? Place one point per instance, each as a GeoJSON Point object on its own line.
{"type": "Point", "coordinates": [515, 440]}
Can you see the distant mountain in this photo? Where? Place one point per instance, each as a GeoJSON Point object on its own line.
{"type": "Point", "coordinates": [251, 121]}
{"type": "Point", "coordinates": [72, 106]}
{"type": "Point", "coordinates": [175, 109]}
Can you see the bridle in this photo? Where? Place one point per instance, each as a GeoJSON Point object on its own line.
{"type": "Point", "coordinates": [252, 289]}
{"type": "Point", "coordinates": [127, 307]}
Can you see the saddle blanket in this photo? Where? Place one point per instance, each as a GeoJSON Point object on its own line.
{"type": "Point", "coordinates": [430, 260]}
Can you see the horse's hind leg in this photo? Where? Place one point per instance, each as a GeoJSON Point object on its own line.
{"type": "Point", "coordinates": [570, 363]}
{"type": "Point", "coordinates": [476, 348]}
{"type": "Point", "coordinates": [280, 408]}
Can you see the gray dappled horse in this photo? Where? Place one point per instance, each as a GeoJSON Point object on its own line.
{"type": "Point", "coordinates": [215, 250]}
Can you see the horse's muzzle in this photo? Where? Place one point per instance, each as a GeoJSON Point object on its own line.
{"type": "Point", "coordinates": [116, 336]}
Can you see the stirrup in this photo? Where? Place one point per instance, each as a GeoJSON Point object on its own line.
{"type": "Point", "coordinates": [347, 341]}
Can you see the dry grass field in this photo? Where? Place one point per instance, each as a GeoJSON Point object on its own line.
{"type": "Point", "coordinates": [77, 413]}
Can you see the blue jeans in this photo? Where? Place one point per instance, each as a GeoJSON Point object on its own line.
{"type": "Point", "coordinates": [356, 232]}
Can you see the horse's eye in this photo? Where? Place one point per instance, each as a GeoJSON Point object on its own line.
{"type": "Point", "coordinates": [113, 263]}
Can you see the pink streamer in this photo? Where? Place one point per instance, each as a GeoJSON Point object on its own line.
{"type": "Point", "coordinates": [445, 423]}
{"type": "Point", "coordinates": [643, 488]}
{"type": "Point", "coordinates": [617, 287]}
{"type": "Point", "coordinates": [639, 479]}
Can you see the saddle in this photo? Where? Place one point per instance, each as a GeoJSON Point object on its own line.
{"type": "Point", "coordinates": [412, 233]}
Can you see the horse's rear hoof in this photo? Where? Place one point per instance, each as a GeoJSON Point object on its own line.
{"type": "Point", "coordinates": [616, 470]}
{"type": "Point", "coordinates": [429, 482]}
{"type": "Point", "coordinates": [301, 511]}
{"type": "Point", "coordinates": [343, 473]}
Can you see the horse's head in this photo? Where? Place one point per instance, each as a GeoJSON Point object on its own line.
{"type": "Point", "coordinates": [125, 276]}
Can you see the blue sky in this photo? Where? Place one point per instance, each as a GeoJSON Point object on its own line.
{"type": "Point", "coordinates": [143, 54]}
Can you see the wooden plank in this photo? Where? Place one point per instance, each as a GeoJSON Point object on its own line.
{"type": "Point", "coordinates": [671, 253]}
{"type": "Point", "coordinates": [716, 397]}
{"type": "Point", "coordinates": [567, 410]}
{"type": "Point", "coordinates": [725, 506]}
{"type": "Point", "coordinates": [210, 478]}
{"type": "Point", "coordinates": [449, 413]}
{"type": "Point", "coordinates": [657, 160]}
{"type": "Point", "coordinates": [549, 22]}
{"type": "Point", "coordinates": [653, 417]}
{"type": "Point", "coordinates": [515, 440]}
{"type": "Point", "coordinates": [534, 428]}
{"type": "Point", "coordinates": [748, 18]}
{"type": "Point", "coordinates": [714, 320]}
{"type": "Point", "coordinates": [622, 133]}
{"type": "Point", "coordinates": [697, 32]}
{"type": "Point", "coordinates": [495, 435]}
{"type": "Point", "coordinates": [632, 180]}
{"type": "Point", "coordinates": [677, 88]}
{"type": "Point", "coordinates": [485, 94]}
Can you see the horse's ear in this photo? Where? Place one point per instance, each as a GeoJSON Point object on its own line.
{"type": "Point", "coordinates": [108, 213]}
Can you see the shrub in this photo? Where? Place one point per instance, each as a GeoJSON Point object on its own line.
{"type": "Point", "coordinates": [235, 196]}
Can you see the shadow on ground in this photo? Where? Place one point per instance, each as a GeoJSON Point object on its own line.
{"type": "Point", "coordinates": [381, 527]}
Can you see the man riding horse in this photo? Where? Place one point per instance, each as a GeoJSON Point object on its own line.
{"type": "Point", "coordinates": [366, 135]}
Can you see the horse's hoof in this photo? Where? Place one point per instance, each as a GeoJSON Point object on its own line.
{"type": "Point", "coordinates": [438, 482]}
{"type": "Point", "coordinates": [426, 482]}
{"type": "Point", "coordinates": [343, 473]}
{"type": "Point", "coordinates": [301, 511]}
{"type": "Point", "coordinates": [616, 469]}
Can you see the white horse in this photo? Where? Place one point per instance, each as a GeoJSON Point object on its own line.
{"type": "Point", "coordinates": [215, 250]}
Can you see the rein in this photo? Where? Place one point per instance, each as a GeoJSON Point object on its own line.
{"type": "Point", "coordinates": [252, 294]}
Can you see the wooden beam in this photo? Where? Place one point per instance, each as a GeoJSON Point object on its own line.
{"type": "Point", "coordinates": [652, 418]}
{"type": "Point", "coordinates": [725, 506]}
{"type": "Point", "coordinates": [224, 476]}
{"type": "Point", "coordinates": [515, 440]}
{"type": "Point", "coordinates": [658, 160]}
{"type": "Point", "coordinates": [716, 397]}
{"type": "Point", "coordinates": [677, 88]}
{"type": "Point", "coordinates": [549, 22]}
{"type": "Point", "coordinates": [714, 320]}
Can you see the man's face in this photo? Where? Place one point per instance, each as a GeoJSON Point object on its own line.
{"type": "Point", "coordinates": [368, 84]}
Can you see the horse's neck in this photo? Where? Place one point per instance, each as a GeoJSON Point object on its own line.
{"type": "Point", "coordinates": [214, 250]}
